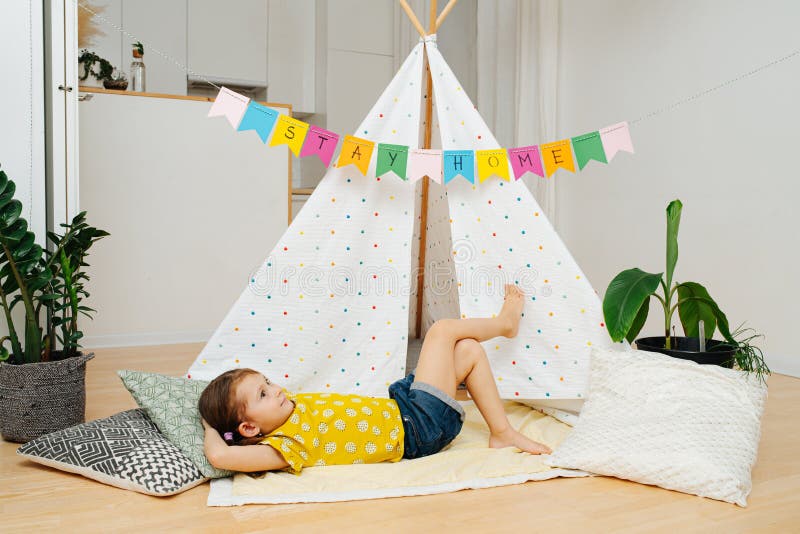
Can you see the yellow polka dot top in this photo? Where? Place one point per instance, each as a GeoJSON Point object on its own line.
{"type": "Point", "coordinates": [334, 429]}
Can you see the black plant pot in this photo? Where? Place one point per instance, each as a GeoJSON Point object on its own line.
{"type": "Point", "coordinates": [688, 348]}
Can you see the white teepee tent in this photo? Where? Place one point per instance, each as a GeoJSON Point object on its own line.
{"type": "Point", "coordinates": [333, 306]}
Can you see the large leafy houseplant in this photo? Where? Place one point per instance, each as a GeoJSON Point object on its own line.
{"type": "Point", "coordinates": [53, 281]}
{"type": "Point", "coordinates": [627, 301]}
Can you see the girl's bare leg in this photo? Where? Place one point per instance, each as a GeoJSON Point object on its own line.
{"type": "Point", "coordinates": [451, 354]}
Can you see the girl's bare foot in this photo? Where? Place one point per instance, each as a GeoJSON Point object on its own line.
{"type": "Point", "coordinates": [512, 438]}
{"type": "Point", "coordinates": [511, 312]}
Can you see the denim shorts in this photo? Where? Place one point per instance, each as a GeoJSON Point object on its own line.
{"type": "Point", "coordinates": [431, 417]}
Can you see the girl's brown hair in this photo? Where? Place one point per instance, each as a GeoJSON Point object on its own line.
{"type": "Point", "coordinates": [222, 410]}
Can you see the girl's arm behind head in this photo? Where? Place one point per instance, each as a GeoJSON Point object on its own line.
{"type": "Point", "coordinates": [246, 458]}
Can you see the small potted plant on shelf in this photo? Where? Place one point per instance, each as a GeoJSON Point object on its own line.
{"type": "Point", "coordinates": [42, 387]}
{"type": "Point", "coordinates": [101, 70]}
{"type": "Point", "coordinates": [627, 302]}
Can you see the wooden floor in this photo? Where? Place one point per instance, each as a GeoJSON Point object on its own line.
{"type": "Point", "coordinates": [37, 497]}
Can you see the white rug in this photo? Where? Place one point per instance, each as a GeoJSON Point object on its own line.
{"type": "Point", "coordinates": [468, 463]}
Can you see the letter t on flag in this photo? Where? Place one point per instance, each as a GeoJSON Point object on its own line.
{"type": "Point", "coordinates": [230, 104]}
{"type": "Point", "coordinates": [321, 143]}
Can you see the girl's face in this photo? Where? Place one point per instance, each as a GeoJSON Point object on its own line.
{"type": "Point", "coordinates": [266, 405]}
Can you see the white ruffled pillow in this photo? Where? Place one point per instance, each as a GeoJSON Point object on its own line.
{"type": "Point", "coordinates": [668, 422]}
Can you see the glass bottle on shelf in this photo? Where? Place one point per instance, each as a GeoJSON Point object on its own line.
{"type": "Point", "coordinates": [137, 68]}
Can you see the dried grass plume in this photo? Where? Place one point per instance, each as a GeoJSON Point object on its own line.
{"type": "Point", "coordinates": [88, 28]}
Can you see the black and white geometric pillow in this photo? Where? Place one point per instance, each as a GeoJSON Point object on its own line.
{"type": "Point", "coordinates": [125, 450]}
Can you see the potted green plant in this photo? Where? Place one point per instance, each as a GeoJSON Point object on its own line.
{"type": "Point", "coordinates": [101, 70]}
{"type": "Point", "coordinates": [42, 387]}
{"type": "Point", "coordinates": [627, 302]}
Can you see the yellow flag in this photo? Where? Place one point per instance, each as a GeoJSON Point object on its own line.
{"type": "Point", "coordinates": [491, 162]}
{"type": "Point", "coordinates": [557, 155]}
{"type": "Point", "coordinates": [356, 151]}
{"type": "Point", "coordinates": [289, 131]}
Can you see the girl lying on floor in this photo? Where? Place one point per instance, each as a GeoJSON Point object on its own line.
{"type": "Point", "coordinates": [242, 407]}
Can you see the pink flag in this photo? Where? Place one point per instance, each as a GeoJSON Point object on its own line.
{"type": "Point", "coordinates": [424, 162]}
{"type": "Point", "coordinates": [615, 138]}
{"type": "Point", "coordinates": [231, 104]}
{"type": "Point", "coordinates": [525, 159]}
{"type": "Point", "coordinates": [321, 143]}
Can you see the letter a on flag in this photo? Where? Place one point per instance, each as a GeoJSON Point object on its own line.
{"type": "Point", "coordinates": [356, 151]}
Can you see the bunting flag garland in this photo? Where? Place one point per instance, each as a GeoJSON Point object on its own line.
{"type": "Point", "coordinates": [459, 162]}
{"type": "Point", "coordinates": [356, 151]}
{"type": "Point", "coordinates": [588, 147]}
{"type": "Point", "coordinates": [259, 118]}
{"type": "Point", "coordinates": [291, 132]}
{"type": "Point", "coordinates": [410, 163]}
{"type": "Point", "coordinates": [321, 143]}
{"type": "Point", "coordinates": [557, 155]}
{"type": "Point", "coordinates": [492, 162]}
{"type": "Point", "coordinates": [425, 162]}
{"type": "Point", "coordinates": [525, 159]}
{"type": "Point", "coordinates": [392, 158]}
{"type": "Point", "coordinates": [615, 138]}
{"type": "Point", "coordinates": [231, 105]}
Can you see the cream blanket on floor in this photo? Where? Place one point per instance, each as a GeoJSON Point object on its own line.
{"type": "Point", "coordinates": [467, 463]}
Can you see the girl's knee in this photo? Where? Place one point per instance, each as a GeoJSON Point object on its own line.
{"type": "Point", "coordinates": [441, 328]}
{"type": "Point", "coordinates": [469, 348]}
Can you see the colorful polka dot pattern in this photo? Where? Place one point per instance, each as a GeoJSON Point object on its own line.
{"type": "Point", "coordinates": [500, 235]}
{"type": "Point", "coordinates": [328, 309]}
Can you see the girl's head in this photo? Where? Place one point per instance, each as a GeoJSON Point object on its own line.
{"type": "Point", "coordinates": [246, 404]}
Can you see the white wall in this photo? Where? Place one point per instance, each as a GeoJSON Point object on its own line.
{"type": "Point", "coordinates": [192, 206]}
{"type": "Point", "coordinates": [22, 116]}
{"type": "Point", "coordinates": [22, 107]}
{"type": "Point", "coordinates": [728, 156]}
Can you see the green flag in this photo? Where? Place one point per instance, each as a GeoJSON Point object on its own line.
{"type": "Point", "coordinates": [587, 147]}
{"type": "Point", "coordinates": [392, 158]}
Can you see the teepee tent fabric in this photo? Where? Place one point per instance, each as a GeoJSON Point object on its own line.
{"type": "Point", "coordinates": [332, 306]}
{"type": "Point", "coordinates": [501, 235]}
{"type": "Point", "coordinates": [328, 309]}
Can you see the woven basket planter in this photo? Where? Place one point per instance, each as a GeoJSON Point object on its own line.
{"type": "Point", "coordinates": [39, 398]}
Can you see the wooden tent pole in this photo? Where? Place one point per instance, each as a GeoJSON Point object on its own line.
{"type": "Point", "coordinates": [443, 15]}
{"type": "Point", "coordinates": [413, 17]}
{"type": "Point", "coordinates": [423, 223]}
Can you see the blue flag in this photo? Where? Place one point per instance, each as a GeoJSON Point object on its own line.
{"type": "Point", "coordinates": [455, 162]}
{"type": "Point", "coordinates": [259, 118]}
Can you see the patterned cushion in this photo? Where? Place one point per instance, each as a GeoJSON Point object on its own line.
{"type": "Point", "coordinates": [668, 422]}
{"type": "Point", "coordinates": [125, 450]}
{"type": "Point", "coordinates": [171, 403]}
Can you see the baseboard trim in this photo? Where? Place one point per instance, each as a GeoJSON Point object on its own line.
{"type": "Point", "coordinates": [783, 364]}
{"type": "Point", "coordinates": [146, 338]}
